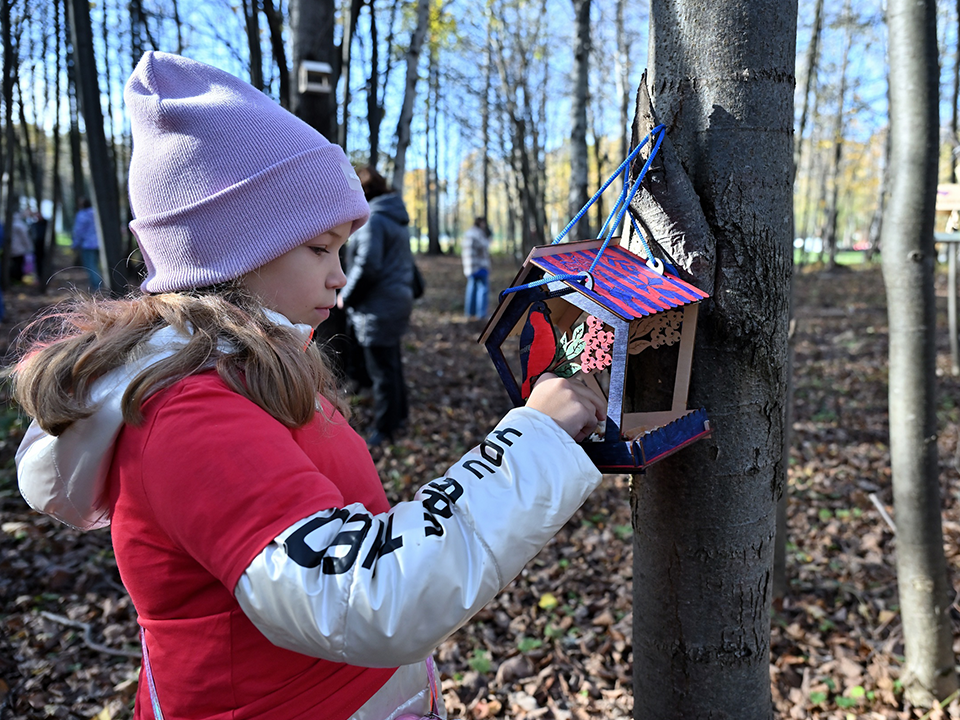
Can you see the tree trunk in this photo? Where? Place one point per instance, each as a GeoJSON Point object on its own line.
{"type": "Point", "coordinates": [623, 80]}
{"type": "Point", "coordinates": [705, 518]}
{"type": "Point", "coordinates": [883, 192]}
{"type": "Point", "coordinates": [810, 67]}
{"type": "Point", "coordinates": [830, 234]}
{"type": "Point", "coordinates": [9, 68]}
{"type": "Point", "coordinates": [954, 125]}
{"type": "Point", "coordinates": [908, 258]}
{"type": "Point", "coordinates": [76, 161]}
{"type": "Point", "coordinates": [251, 17]}
{"type": "Point", "coordinates": [102, 175]}
{"type": "Point", "coordinates": [311, 24]}
{"type": "Point", "coordinates": [433, 176]}
{"type": "Point", "coordinates": [579, 180]}
{"type": "Point", "coordinates": [409, 94]}
{"type": "Point", "coordinates": [374, 111]}
{"type": "Point", "coordinates": [275, 24]}
{"type": "Point", "coordinates": [485, 125]}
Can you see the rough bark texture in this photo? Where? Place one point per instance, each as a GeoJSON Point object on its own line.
{"type": "Point", "coordinates": [908, 264]}
{"type": "Point", "coordinates": [722, 83]}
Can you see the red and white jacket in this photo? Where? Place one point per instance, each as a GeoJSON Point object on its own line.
{"type": "Point", "coordinates": [268, 570]}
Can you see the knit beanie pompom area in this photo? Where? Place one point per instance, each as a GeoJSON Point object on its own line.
{"type": "Point", "coordinates": [222, 179]}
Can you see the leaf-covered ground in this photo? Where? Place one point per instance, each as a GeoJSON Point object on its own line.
{"type": "Point", "coordinates": [557, 642]}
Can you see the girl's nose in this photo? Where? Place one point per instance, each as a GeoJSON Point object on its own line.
{"type": "Point", "coordinates": [337, 279]}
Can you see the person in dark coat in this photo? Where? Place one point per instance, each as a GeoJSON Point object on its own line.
{"type": "Point", "coordinates": [378, 297]}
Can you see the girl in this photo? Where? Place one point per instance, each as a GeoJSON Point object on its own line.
{"type": "Point", "coordinates": [270, 576]}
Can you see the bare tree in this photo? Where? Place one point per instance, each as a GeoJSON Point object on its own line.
{"type": "Point", "coordinates": [908, 259]}
{"type": "Point", "coordinates": [102, 174]}
{"type": "Point", "coordinates": [830, 226]}
{"type": "Point", "coordinates": [705, 518]}
{"type": "Point", "coordinates": [409, 93]}
{"type": "Point", "coordinates": [578, 194]}
{"type": "Point", "coordinates": [811, 60]}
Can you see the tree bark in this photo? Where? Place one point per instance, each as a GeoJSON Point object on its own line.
{"type": "Point", "coordinates": [705, 518]}
{"type": "Point", "coordinates": [409, 94]}
{"type": "Point", "coordinates": [908, 259]}
{"type": "Point", "coordinates": [578, 193]}
{"type": "Point", "coordinates": [102, 175]}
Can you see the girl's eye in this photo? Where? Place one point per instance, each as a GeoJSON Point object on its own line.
{"type": "Point", "coordinates": [319, 250]}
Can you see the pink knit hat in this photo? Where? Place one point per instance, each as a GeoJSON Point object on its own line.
{"type": "Point", "coordinates": [222, 179]}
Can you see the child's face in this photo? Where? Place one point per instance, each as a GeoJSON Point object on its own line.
{"type": "Point", "coordinates": [302, 284]}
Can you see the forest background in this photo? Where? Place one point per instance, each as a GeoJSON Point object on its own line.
{"type": "Point", "coordinates": [515, 110]}
{"type": "Point", "coordinates": [492, 126]}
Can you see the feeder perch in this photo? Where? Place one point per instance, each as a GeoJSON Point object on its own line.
{"type": "Point", "coordinates": [586, 328]}
{"type": "Point", "coordinates": [314, 77]}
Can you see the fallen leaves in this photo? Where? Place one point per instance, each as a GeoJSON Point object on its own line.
{"type": "Point", "coordinates": [557, 642]}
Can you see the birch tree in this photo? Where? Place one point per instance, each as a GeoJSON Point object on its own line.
{"type": "Point", "coordinates": [908, 258]}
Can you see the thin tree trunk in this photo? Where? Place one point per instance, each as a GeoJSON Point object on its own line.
{"type": "Point", "coordinates": [622, 68]}
{"type": "Point", "coordinates": [179, 26]}
{"type": "Point", "coordinates": [275, 24]}
{"type": "Point", "coordinates": [578, 194]}
{"type": "Point", "coordinates": [705, 518]}
{"type": "Point", "coordinates": [954, 124]}
{"type": "Point", "coordinates": [883, 192]}
{"type": "Point", "coordinates": [251, 15]}
{"type": "Point", "coordinates": [485, 124]}
{"type": "Point", "coordinates": [9, 68]}
{"type": "Point", "coordinates": [346, 45]}
{"type": "Point", "coordinates": [830, 234]}
{"type": "Point", "coordinates": [374, 112]}
{"type": "Point", "coordinates": [409, 94]}
{"type": "Point", "coordinates": [76, 162]}
{"type": "Point", "coordinates": [908, 260]}
{"type": "Point", "coordinates": [102, 175]}
{"type": "Point", "coordinates": [810, 67]}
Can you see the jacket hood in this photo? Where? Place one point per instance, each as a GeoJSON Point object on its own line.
{"type": "Point", "coordinates": [66, 476]}
{"type": "Point", "coordinates": [390, 205]}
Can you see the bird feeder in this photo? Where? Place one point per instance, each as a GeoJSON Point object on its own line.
{"type": "Point", "coordinates": [579, 316]}
{"type": "Point", "coordinates": [314, 77]}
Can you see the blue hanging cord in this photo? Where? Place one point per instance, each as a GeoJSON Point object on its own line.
{"type": "Point", "coordinates": [622, 209]}
{"type": "Point", "coordinates": [619, 209]}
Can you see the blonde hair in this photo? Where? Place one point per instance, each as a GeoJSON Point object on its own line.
{"type": "Point", "coordinates": [66, 350]}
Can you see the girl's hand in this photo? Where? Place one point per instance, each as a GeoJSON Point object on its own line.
{"type": "Point", "coordinates": [575, 407]}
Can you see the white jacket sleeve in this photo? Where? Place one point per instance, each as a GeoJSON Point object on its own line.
{"type": "Point", "coordinates": [385, 590]}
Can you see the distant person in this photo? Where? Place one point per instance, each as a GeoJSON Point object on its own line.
{"type": "Point", "coordinates": [475, 255]}
{"type": "Point", "coordinates": [87, 242]}
{"type": "Point", "coordinates": [378, 297]}
{"type": "Point", "coordinates": [20, 247]}
{"type": "Point", "coordinates": [38, 234]}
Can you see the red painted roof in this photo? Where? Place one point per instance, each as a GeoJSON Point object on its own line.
{"type": "Point", "coordinates": [622, 282]}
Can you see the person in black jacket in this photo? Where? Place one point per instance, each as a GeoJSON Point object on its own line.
{"type": "Point", "coordinates": [378, 298]}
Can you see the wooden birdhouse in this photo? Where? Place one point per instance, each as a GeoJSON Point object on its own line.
{"type": "Point", "coordinates": [589, 328]}
{"type": "Point", "coordinates": [314, 77]}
